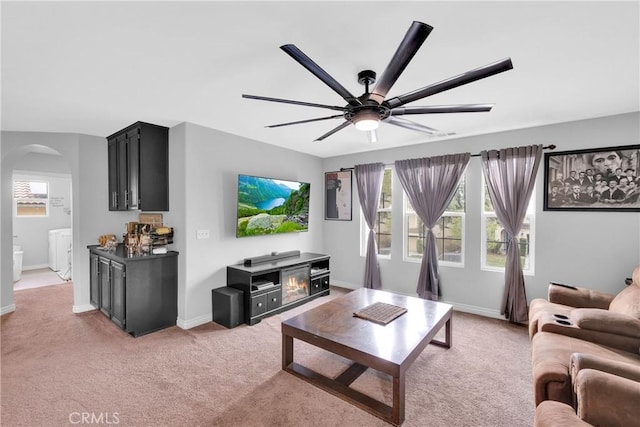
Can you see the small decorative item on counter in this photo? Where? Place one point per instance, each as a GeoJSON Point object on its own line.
{"type": "Point", "coordinates": [143, 238]}
{"type": "Point", "coordinates": [145, 243]}
{"type": "Point", "coordinates": [108, 241]}
{"type": "Point", "coordinates": [131, 243]}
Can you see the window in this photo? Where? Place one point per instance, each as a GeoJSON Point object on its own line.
{"type": "Point", "coordinates": [31, 198]}
{"type": "Point", "coordinates": [382, 226]}
{"type": "Point", "coordinates": [449, 231]}
{"type": "Point", "coordinates": [494, 237]}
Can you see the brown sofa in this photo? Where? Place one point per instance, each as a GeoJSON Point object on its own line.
{"type": "Point", "coordinates": [551, 360]}
{"type": "Point", "coordinates": [606, 393]}
{"type": "Point", "coordinates": [585, 351]}
{"type": "Point", "coordinates": [611, 320]}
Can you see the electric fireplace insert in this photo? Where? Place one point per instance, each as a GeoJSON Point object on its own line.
{"type": "Point", "coordinates": [295, 283]}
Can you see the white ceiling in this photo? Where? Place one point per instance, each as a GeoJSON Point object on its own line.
{"type": "Point", "coordinates": [94, 68]}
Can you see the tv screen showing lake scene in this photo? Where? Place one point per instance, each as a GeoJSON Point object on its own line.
{"type": "Point", "coordinates": [271, 206]}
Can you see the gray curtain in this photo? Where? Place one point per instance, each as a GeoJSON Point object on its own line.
{"type": "Point", "coordinates": [369, 182]}
{"type": "Point", "coordinates": [430, 184]}
{"type": "Point", "coordinates": [510, 175]}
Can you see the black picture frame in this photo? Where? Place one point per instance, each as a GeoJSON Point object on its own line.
{"type": "Point", "coordinates": [338, 195]}
{"type": "Point", "coordinates": [567, 183]}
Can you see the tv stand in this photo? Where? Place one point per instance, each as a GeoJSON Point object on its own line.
{"type": "Point", "coordinates": [276, 283]}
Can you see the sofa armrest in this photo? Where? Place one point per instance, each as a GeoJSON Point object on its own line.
{"type": "Point", "coordinates": [580, 361]}
{"type": "Point", "coordinates": [578, 297]}
{"type": "Point", "coordinates": [595, 319]}
{"type": "Point", "coordinates": [604, 399]}
{"type": "Point", "coordinates": [557, 414]}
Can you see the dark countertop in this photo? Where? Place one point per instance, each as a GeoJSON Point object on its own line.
{"type": "Point", "coordinates": [120, 254]}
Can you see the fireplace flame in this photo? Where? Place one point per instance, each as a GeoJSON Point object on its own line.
{"type": "Point", "coordinates": [295, 287]}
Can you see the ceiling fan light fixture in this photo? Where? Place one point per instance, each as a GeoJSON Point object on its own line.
{"type": "Point", "coordinates": [367, 120]}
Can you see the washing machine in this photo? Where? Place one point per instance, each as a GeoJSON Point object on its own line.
{"type": "Point", "coordinates": [60, 249]}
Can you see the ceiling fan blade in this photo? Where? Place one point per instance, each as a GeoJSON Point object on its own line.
{"type": "Point", "coordinates": [305, 121]}
{"type": "Point", "coordinates": [408, 124]}
{"type": "Point", "coordinates": [316, 70]}
{"type": "Point", "coordinates": [453, 82]}
{"type": "Point", "coordinates": [289, 101]}
{"type": "Point", "coordinates": [334, 130]}
{"type": "Point", "coordinates": [435, 109]}
{"type": "Point", "coordinates": [413, 39]}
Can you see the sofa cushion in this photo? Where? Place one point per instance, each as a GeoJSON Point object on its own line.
{"type": "Point", "coordinates": [627, 302]}
{"type": "Point", "coordinates": [595, 319]}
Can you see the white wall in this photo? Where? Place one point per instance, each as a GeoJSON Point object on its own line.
{"type": "Point", "coordinates": [32, 233]}
{"type": "Point", "coordinates": [595, 249]}
{"type": "Point", "coordinates": [205, 164]}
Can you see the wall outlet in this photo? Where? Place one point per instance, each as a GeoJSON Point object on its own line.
{"type": "Point", "coordinates": [202, 234]}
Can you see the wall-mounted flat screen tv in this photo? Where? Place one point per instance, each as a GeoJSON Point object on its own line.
{"type": "Point", "coordinates": [271, 206]}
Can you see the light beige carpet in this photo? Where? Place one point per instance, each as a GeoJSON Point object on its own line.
{"type": "Point", "coordinates": [58, 366]}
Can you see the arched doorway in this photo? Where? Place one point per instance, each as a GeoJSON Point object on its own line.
{"type": "Point", "coordinates": [42, 223]}
{"type": "Point", "coordinates": [37, 163]}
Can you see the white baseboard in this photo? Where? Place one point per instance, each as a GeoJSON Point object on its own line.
{"type": "Point", "coordinates": [192, 323]}
{"type": "Point", "coordinates": [8, 309]}
{"type": "Point", "coordinates": [345, 285]}
{"type": "Point", "coordinates": [82, 308]}
{"type": "Point", "coordinates": [480, 311]}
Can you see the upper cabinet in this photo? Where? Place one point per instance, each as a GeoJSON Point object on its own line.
{"type": "Point", "coordinates": [139, 168]}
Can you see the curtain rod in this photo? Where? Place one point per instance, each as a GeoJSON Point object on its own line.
{"type": "Point", "coordinates": [546, 147]}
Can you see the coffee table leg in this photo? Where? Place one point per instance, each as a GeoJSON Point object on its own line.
{"type": "Point", "coordinates": [398, 399]}
{"type": "Point", "coordinates": [287, 351]}
{"type": "Point", "coordinates": [447, 335]}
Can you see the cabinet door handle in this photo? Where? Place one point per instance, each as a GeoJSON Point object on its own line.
{"type": "Point", "coordinates": [259, 304]}
{"type": "Point", "coordinates": [274, 299]}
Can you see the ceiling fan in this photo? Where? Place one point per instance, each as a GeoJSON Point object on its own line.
{"type": "Point", "coordinates": [368, 110]}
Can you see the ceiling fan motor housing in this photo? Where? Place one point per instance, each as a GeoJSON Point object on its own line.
{"type": "Point", "coordinates": [369, 111]}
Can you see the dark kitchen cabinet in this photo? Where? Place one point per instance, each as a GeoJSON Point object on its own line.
{"type": "Point", "coordinates": [109, 286]}
{"type": "Point", "coordinates": [138, 293]}
{"type": "Point", "coordinates": [118, 286]}
{"type": "Point", "coordinates": [138, 159]}
{"type": "Point", "coordinates": [104, 280]}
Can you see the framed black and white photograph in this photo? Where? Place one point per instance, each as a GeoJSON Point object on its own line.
{"type": "Point", "coordinates": [603, 179]}
{"type": "Point", "coordinates": [337, 202]}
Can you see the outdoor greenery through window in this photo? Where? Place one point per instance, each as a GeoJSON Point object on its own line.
{"type": "Point", "coordinates": [31, 198]}
{"type": "Point", "coordinates": [449, 230]}
{"type": "Point", "coordinates": [494, 237]}
{"type": "Point", "coordinates": [383, 218]}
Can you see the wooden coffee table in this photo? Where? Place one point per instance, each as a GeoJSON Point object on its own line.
{"type": "Point", "coordinates": [389, 348]}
